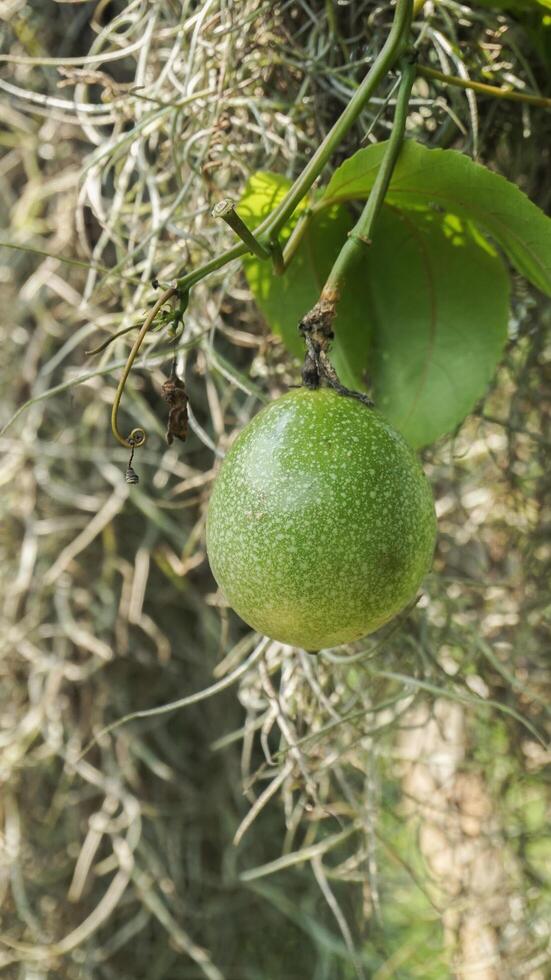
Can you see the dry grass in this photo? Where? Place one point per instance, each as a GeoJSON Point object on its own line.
{"type": "Point", "coordinates": [334, 816]}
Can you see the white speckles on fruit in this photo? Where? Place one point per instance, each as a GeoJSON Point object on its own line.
{"type": "Point", "coordinates": [321, 523]}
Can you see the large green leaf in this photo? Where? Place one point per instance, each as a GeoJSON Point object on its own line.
{"type": "Point", "coordinates": [263, 192]}
{"type": "Point", "coordinates": [425, 318]}
{"type": "Point", "coordinates": [438, 310]}
{"type": "Point", "coordinates": [285, 299]}
{"type": "Point", "coordinates": [450, 181]}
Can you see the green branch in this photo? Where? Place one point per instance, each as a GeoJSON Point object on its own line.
{"type": "Point", "coordinates": [267, 232]}
{"type": "Point", "coordinates": [389, 54]}
{"type": "Point", "coordinates": [316, 327]}
{"type": "Point", "coordinates": [264, 242]}
{"type": "Point", "coordinates": [360, 236]}
{"type": "Point", "coordinates": [484, 89]}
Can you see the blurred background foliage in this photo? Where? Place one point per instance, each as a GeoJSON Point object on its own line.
{"type": "Point", "coordinates": [377, 812]}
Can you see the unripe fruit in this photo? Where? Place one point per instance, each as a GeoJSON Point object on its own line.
{"type": "Point", "coordinates": [321, 522]}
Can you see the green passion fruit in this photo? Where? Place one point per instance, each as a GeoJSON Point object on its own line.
{"type": "Point", "coordinates": [321, 522]}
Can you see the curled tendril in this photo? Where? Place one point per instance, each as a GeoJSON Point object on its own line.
{"type": "Point", "coordinates": [138, 435]}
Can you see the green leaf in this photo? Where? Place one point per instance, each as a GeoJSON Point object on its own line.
{"type": "Point", "coordinates": [425, 318]}
{"type": "Point", "coordinates": [450, 181]}
{"type": "Point", "coordinates": [285, 299]}
{"type": "Point", "coordinates": [438, 310]}
{"type": "Point", "coordinates": [263, 192]}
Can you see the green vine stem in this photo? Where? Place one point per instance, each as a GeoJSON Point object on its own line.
{"type": "Point", "coordinates": [265, 238]}
{"type": "Point", "coordinates": [226, 210]}
{"type": "Point", "coordinates": [353, 250]}
{"type": "Point", "coordinates": [385, 60]}
{"type": "Point", "coordinates": [138, 436]}
{"type": "Point", "coordinates": [497, 93]}
{"type": "Point", "coordinates": [268, 230]}
{"type": "Point", "coordinates": [430, 73]}
{"type": "Point", "coordinates": [264, 243]}
{"type": "Point", "coordinates": [392, 50]}
{"type": "Point", "coordinates": [317, 326]}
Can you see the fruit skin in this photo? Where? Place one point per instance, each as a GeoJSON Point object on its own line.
{"type": "Point", "coordinates": [321, 522]}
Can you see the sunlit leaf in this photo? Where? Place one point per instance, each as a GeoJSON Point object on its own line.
{"type": "Point", "coordinates": [285, 299]}
{"type": "Point", "coordinates": [451, 182]}
{"type": "Point", "coordinates": [423, 322]}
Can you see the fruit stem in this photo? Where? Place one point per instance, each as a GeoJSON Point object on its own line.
{"type": "Point", "coordinates": [359, 237]}
{"type": "Point", "coordinates": [316, 329]}
{"type": "Point", "coordinates": [317, 326]}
